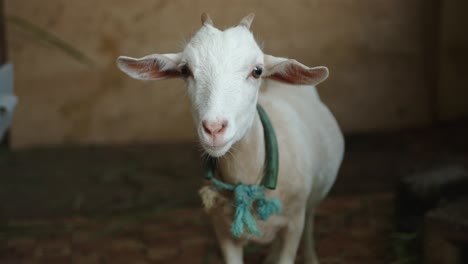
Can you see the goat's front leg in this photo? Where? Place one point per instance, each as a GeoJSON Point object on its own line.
{"type": "Point", "coordinates": [232, 249]}
{"type": "Point", "coordinates": [310, 257]}
{"type": "Point", "coordinates": [290, 239]}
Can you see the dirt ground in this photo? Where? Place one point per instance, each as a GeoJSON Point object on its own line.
{"type": "Point", "coordinates": [139, 204]}
{"type": "Point", "coordinates": [349, 229]}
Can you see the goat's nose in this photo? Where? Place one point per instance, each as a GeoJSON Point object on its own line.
{"type": "Point", "coordinates": [215, 128]}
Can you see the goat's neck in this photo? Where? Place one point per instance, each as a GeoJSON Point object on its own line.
{"type": "Point", "coordinates": [244, 163]}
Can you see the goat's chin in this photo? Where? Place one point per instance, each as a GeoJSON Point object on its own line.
{"type": "Point", "coordinates": [215, 151]}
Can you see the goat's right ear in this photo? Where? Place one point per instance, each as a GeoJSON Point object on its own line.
{"type": "Point", "coordinates": [151, 67]}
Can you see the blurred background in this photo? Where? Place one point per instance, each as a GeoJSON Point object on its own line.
{"type": "Point", "coordinates": [100, 168]}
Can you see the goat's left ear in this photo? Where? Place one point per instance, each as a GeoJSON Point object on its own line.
{"type": "Point", "coordinates": [292, 72]}
{"type": "Point", "coordinates": [151, 67]}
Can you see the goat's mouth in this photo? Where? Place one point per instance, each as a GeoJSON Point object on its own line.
{"type": "Point", "coordinates": [216, 150]}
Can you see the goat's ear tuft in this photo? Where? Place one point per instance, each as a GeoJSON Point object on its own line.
{"type": "Point", "coordinates": [293, 72]}
{"type": "Point", "coordinates": [247, 20]}
{"type": "Point", "coordinates": [206, 19]}
{"type": "Point", "coordinates": [151, 67]}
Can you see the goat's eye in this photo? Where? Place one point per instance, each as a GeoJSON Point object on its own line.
{"type": "Point", "coordinates": [185, 71]}
{"type": "Point", "coordinates": [257, 72]}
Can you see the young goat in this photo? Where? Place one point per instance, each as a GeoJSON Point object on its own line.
{"type": "Point", "coordinates": [227, 75]}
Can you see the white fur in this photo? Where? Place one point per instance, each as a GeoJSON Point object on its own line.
{"type": "Point", "coordinates": [221, 87]}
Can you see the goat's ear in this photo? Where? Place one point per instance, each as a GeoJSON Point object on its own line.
{"type": "Point", "coordinates": [292, 72]}
{"type": "Point", "coordinates": [151, 67]}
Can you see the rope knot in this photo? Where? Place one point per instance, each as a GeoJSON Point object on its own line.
{"type": "Point", "coordinates": [246, 194]}
{"type": "Point", "coordinates": [244, 198]}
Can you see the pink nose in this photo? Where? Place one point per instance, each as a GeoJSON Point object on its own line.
{"type": "Point", "coordinates": [215, 128]}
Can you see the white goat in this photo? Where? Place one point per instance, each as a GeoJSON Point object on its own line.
{"type": "Point", "coordinates": [227, 75]}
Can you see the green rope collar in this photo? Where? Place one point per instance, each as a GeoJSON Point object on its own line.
{"type": "Point", "coordinates": [245, 196]}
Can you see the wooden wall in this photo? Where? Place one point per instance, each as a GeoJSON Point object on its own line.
{"type": "Point", "coordinates": [376, 51]}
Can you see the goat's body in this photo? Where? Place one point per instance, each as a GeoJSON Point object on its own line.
{"type": "Point", "coordinates": [223, 71]}
{"type": "Point", "coordinates": [310, 141]}
{"type": "Point", "coordinates": [311, 150]}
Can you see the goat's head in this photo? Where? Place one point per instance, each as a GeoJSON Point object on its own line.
{"type": "Point", "coordinates": [223, 71]}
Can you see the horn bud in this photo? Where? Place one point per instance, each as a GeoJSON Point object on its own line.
{"type": "Point", "coordinates": [247, 20]}
{"type": "Point", "coordinates": [206, 19]}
